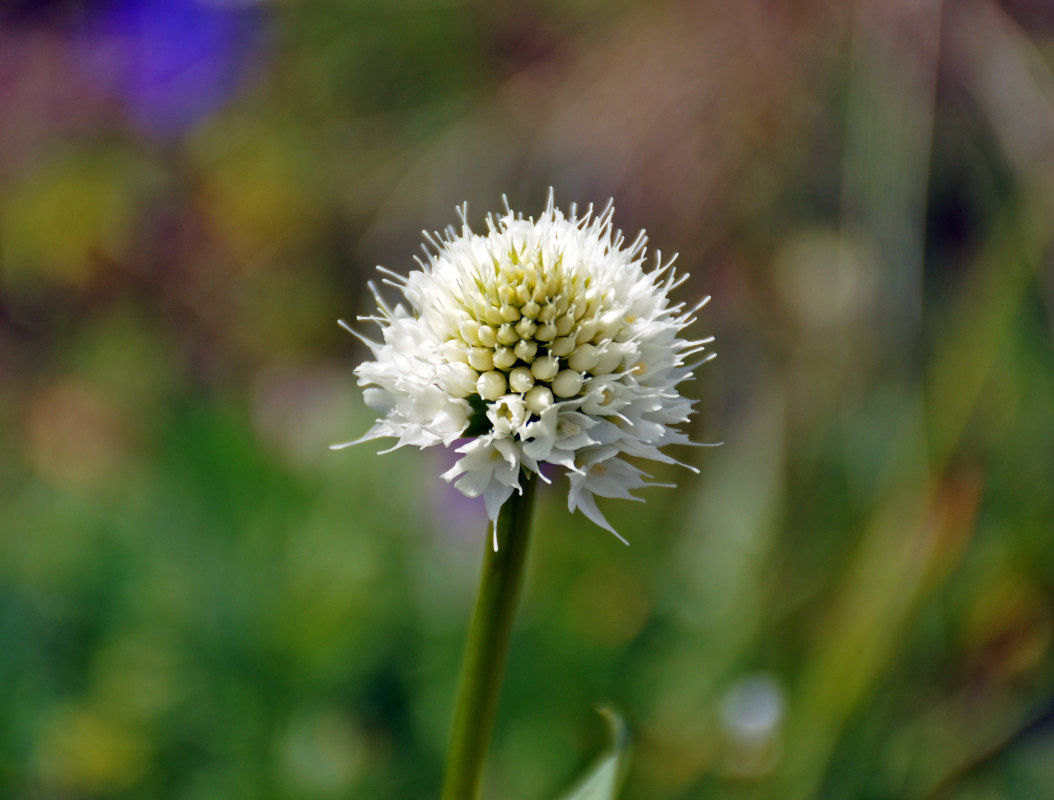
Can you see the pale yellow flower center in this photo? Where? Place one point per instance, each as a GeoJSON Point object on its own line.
{"type": "Point", "coordinates": [534, 328]}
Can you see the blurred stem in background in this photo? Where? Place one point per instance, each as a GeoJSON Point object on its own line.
{"type": "Point", "coordinates": [488, 643]}
{"type": "Point", "coordinates": [887, 156]}
{"type": "Point", "coordinates": [927, 502]}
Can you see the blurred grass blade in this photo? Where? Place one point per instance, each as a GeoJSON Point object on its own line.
{"type": "Point", "coordinates": [605, 779]}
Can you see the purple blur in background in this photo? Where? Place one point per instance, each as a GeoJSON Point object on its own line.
{"type": "Point", "coordinates": [171, 62]}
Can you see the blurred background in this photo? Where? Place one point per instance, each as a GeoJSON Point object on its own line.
{"type": "Point", "coordinates": [199, 600]}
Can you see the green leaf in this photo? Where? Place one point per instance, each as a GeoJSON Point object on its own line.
{"type": "Point", "coordinates": [604, 780]}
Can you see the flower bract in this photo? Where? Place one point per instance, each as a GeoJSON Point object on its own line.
{"type": "Point", "coordinates": [537, 342]}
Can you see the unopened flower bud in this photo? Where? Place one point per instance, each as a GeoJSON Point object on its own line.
{"type": "Point", "coordinates": [526, 328]}
{"type": "Point", "coordinates": [520, 379]}
{"type": "Point", "coordinates": [487, 336]}
{"type": "Point", "coordinates": [504, 358]}
{"type": "Point", "coordinates": [565, 324]}
{"type": "Point", "coordinates": [454, 350]}
{"type": "Point", "coordinates": [538, 399]}
{"type": "Point", "coordinates": [567, 384]}
{"type": "Point", "coordinates": [507, 334]}
{"type": "Point", "coordinates": [491, 385]}
{"type": "Point", "coordinates": [563, 347]}
{"type": "Point", "coordinates": [583, 359]}
{"type": "Point", "coordinates": [469, 330]}
{"type": "Point", "coordinates": [545, 369]}
{"type": "Point", "coordinates": [525, 350]}
{"type": "Point", "coordinates": [481, 358]}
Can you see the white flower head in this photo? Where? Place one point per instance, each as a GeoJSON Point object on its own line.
{"type": "Point", "coordinates": [541, 341]}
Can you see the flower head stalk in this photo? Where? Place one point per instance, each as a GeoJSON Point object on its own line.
{"type": "Point", "coordinates": [539, 341]}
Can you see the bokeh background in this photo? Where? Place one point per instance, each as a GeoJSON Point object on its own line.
{"type": "Point", "coordinates": [199, 600]}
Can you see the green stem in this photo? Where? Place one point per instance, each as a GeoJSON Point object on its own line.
{"type": "Point", "coordinates": [488, 645]}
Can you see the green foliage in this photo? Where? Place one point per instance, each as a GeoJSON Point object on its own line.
{"type": "Point", "coordinates": [603, 781]}
{"type": "Point", "coordinates": [478, 422]}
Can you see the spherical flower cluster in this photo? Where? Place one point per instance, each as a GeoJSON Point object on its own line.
{"type": "Point", "coordinates": [540, 342]}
